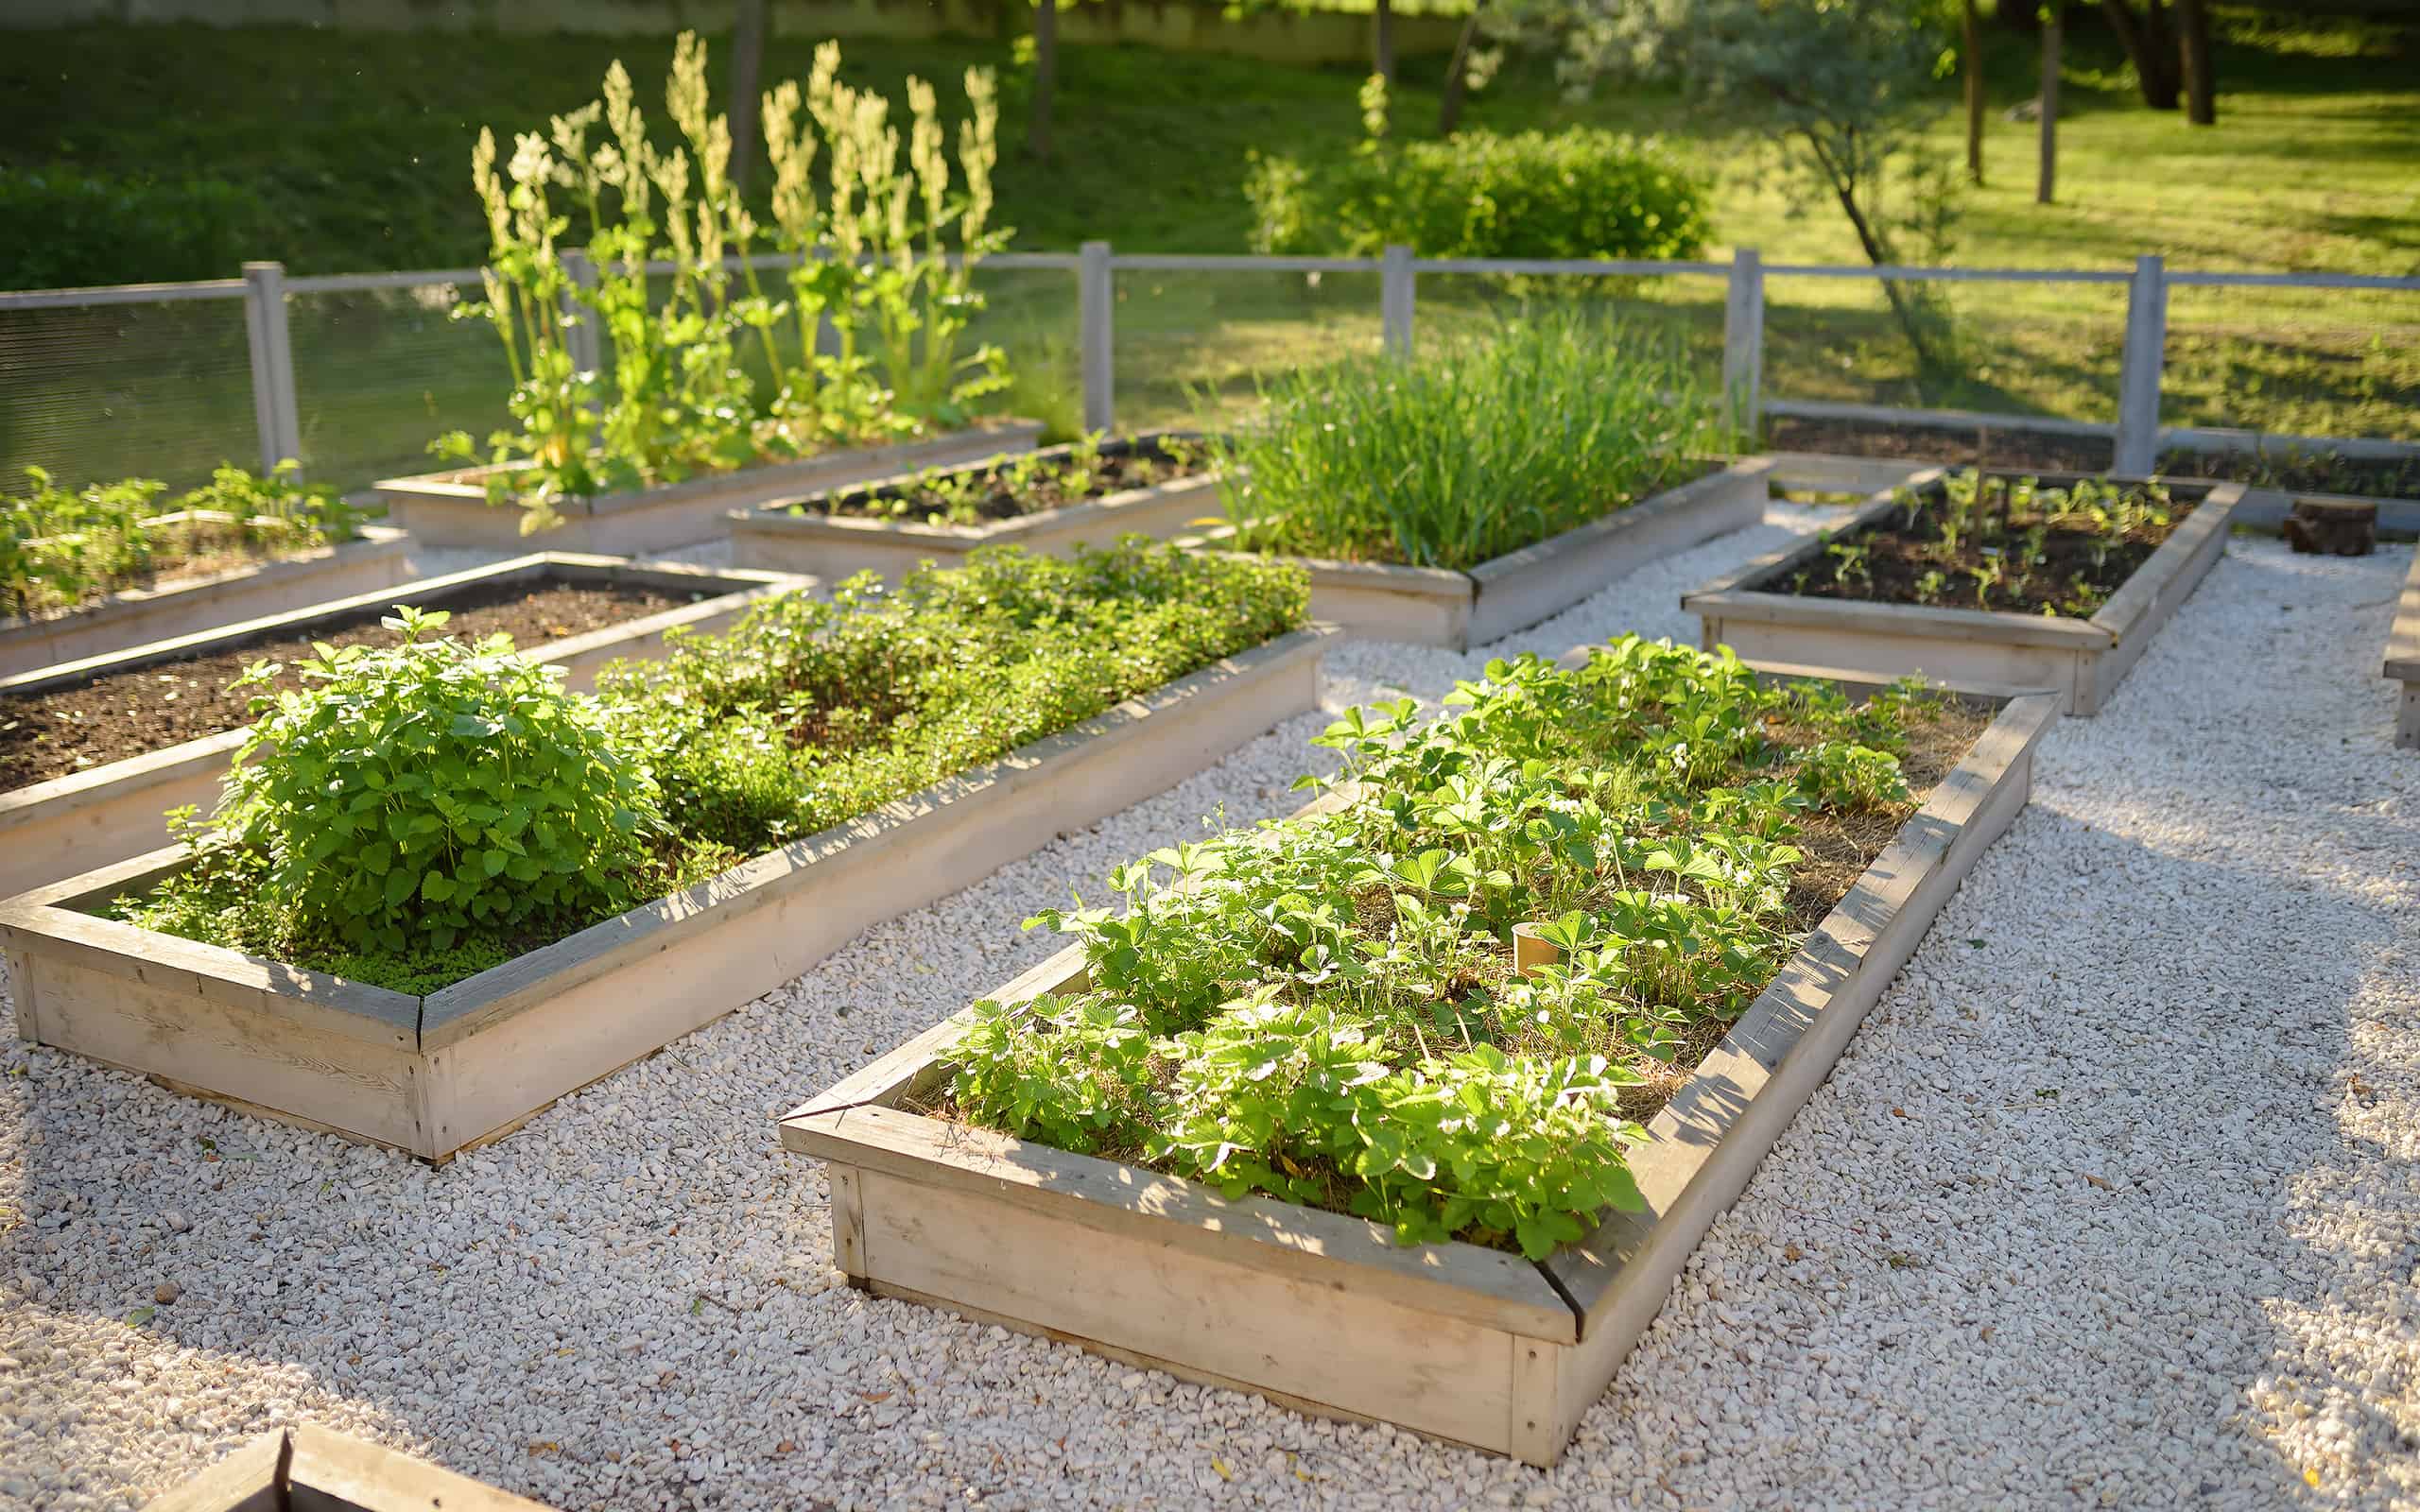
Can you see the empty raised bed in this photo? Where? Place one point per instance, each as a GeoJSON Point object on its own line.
{"type": "Point", "coordinates": [458, 509]}
{"type": "Point", "coordinates": [95, 752]}
{"type": "Point", "coordinates": [1085, 493]}
{"type": "Point", "coordinates": [2048, 580]}
{"type": "Point", "coordinates": [1230, 1134]}
{"type": "Point", "coordinates": [621, 868]}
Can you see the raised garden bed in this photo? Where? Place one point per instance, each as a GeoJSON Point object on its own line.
{"type": "Point", "coordinates": [1133, 485]}
{"type": "Point", "coordinates": [1434, 606]}
{"type": "Point", "coordinates": [1334, 1315]}
{"type": "Point", "coordinates": [568, 1000]}
{"type": "Point", "coordinates": [174, 605]}
{"type": "Point", "coordinates": [103, 747]}
{"type": "Point", "coordinates": [1772, 608]}
{"type": "Point", "coordinates": [311, 1470]}
{"type": "Point", "coordinates": [2403, 657]}
{"type": "Point", "coordinates": [452, 508]}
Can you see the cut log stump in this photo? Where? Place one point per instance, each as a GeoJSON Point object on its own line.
{"type": "Point", "coordinates": [2347, 528]}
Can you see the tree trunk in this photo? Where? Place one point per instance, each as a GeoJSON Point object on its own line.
{"type": "Point", "coordinates": [2193, 34]}
{"type": "Point", "coordinates": [1045, 75]}
{"type": "Point", "coordinates": [1383, 40]}
{"type": "Point", "coordinates": [1974, 94]}
{"type": "Point", "coordinates": [1450, 110]}
{"type": "Point", "coordinates": [2047, 185]}
{"type": "Point", "coordinates": [2143, 43]}
{"type": "Point", "coordinates": [746, 66]}
{"type": "Point", "coordinates": [2020, 16]}
{"type": "Point", "coordinates": [1902, 304]}
{"type": "Point", "coordinates": [2159, 44]}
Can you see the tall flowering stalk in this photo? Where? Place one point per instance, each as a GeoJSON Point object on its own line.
{"type": "Point", "coordinates": [870, 263]}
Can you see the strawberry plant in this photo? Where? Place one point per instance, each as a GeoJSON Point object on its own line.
{"type": "Point", "coordinates": [1325, 1010]}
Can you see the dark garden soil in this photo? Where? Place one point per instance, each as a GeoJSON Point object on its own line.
{"type": "Point", "coordinates": [2313, 473]}
{"type": "Point", "coordinates": [1014, 489]}
{"type": "Point", "coordinates": [120, 715]}
{"type": "Point", "coordinates": [2061, 576]}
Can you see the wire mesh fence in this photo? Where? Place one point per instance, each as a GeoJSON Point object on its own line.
{"type": "Point", "coordinates": [155, 389]}
{"type": "Point", "coordinates": [131, 383]}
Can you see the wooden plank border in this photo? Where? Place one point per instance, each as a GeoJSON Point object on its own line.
{"type": "Point", "coordinates": [1328, 1314]}
{"type": "Point", "coordinates": [70, 824]}
{"type": "Point", "coordinates": [433, 1074]}
{"type": "Point", "coordinates": [2403, 657]}
{"type": "Point", "coordinates": [2081, 660]}
{"type": "Point", "coordinates": [308, 1469]}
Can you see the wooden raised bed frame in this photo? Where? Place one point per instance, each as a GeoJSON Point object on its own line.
{"type": "Point", "coordinates": [837, 547]}
{"type": "Point", "coordinates": [1436, 606]}
{"type": "Point", "coordinates": [1327, 1314]}
{"type": "Point", "coordinates": [451, 508]}
{"type": "Point", "coordinates": [71, 824]}
{"type": "Point", "coordinates": [311, 1470]}
{"type": "Point", "coordinates": [431, 1075]}
{"type": "Point", "coordinates": [373, 558]}
{"type": "Point", "coordinates": [2403, 657]}
{"type": "Point", "coordinates": [2081, 660]}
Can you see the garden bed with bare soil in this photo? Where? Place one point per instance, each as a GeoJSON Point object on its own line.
{"type": "Point", "coordinates": [1985, 580]}
{"type": "Point", "coordinates": [1086, 493]}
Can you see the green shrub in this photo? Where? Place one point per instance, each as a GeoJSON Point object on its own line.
{"type": "Point", "coordinates": [427, 792]}
{"type": "Point", "coordinates": [63, 228]}
{"type": "Point", "coordinates": [1578, 193]}
{"type": "Point", "coordinates": [1483, 445]}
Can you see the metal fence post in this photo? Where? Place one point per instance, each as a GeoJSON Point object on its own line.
{"type": "Point", "coordinates": [272, 353]}
{"type": "Point", "coordinates": [580, 322]}
{"type": "Point", "coordinates": [1743, 341]}
{"type": "Point", "coordinates": [1395, 284]}
{"type": "Point", "coordinates": [2138, 374]}
{"type": "Point", "coordinates": [1096, 303]}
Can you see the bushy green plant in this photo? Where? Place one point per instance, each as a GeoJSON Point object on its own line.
{"type": "Point", "coordinates": [417, 794]}
{"type": "Point", "coordinates": [811, 711]}
{"type": "Point", "coordinates": [1480, 445]}
{"type": "Point", "coordinates": [1325, 1010]}
{"type": "Point", "coordinates": [430, 809]}
{"type": "Point", "coordinates": [1578, 193]}
{"type": "Point", "coordinates": [58, 545]}
{"type": "Point", "coordinates": [60, 228]}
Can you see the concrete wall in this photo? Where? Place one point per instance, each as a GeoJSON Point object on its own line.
{"type": "Point", "coordinates": [1179, 25]}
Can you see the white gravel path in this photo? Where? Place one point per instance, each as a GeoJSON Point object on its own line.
{"type": "Point", "coordinates": [2114, 1201]}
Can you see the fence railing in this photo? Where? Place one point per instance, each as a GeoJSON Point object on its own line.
{"type": "Point", "coordinates": [2136, 434]}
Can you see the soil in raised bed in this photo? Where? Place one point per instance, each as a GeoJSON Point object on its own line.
{"type": "Point", "coordinates": [64, 730]}
{"type": "Point", "coordinates": [2316, 472]}
{"type": "Point", "coordinates": [1014, 488]}
{"type": "Point", "coordinates": [1904, 560]}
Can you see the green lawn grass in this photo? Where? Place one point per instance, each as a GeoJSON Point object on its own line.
{"type": "Point", "coordinates": [356, 145]}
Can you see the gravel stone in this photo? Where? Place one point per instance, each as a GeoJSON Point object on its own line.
{"type": "Point", "coordinates": [2111, 1203]}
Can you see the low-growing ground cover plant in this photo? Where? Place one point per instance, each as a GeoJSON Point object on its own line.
{"type": "Point", "coordinates": [1479, 446]}
{"type": "Point", "coordinates": [418, 813]}
{"type": "Point", "coordinates": [1999, 543]}
{"type": "Point", "coordinates": [1326, 1009]}
{"type": "Point", "coordinates": [1009, 487]}
{"type": "Point", "coordinates": [883, 259]}
{"type": "Point", "coordinates": [61, 547]}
